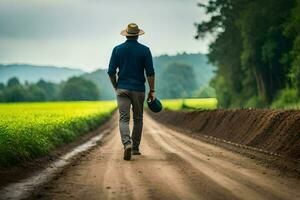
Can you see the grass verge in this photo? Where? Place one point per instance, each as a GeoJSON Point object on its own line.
{"type": "Point", "coordinates": [190, 104]}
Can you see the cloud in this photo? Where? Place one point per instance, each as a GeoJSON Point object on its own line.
{"type": "Point", "coordinates": [83, 32]}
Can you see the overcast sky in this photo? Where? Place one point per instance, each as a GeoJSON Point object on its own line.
{"type": "Point", "coordinates": [82, 33]}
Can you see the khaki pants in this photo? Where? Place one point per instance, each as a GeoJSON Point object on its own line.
{"type": "Point", "coordinates": [125, 99]}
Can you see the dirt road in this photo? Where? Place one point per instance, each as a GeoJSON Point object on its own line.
{"type": "Point", "coordinates": [173, 166]}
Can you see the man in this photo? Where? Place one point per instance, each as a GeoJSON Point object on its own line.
{"type": "Point", "coordinates": [132, 60]}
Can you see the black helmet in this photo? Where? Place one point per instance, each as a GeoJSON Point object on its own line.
{"type": "Point", "coordinates": [155, 105]}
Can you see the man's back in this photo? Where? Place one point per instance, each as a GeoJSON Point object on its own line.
{"type": "Point", "coordinates": [132, 59]}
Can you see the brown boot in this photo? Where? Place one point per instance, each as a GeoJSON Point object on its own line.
{"type": "Point", "coordinates": [127, 152]}
{"type": "Point", "coordinates": [135, 152]}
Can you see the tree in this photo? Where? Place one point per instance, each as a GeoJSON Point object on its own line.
{"type": "Point", "coordinates": [51, 89]}
{"type": "Point", "coordinates": [178, 81]}
{"type": "Point", "coordinates": [14, 81]}
{"type": "Point", "coordinates": [35, 93]}
{"type": "Point", "coordinates": [292, 30]}
{"type": "Point", "coordinates": [205, 91]}
{"type": "Point", "coordinates": [2, 98]}
{"type": "Point", "coordinates": [2, 86]}
{"type": "Point", "coordinates": [15, 93]}
{"type": "Point", "coordinates": [78, 88]}
{"type": "Point", "coordinates": [263, 51]}
{"type": "Point", "coordinates": [231, 81]}
{"type": "Point", "coordinates": [248, 50]}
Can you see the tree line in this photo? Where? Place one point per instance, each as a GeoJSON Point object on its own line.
{"type": "Point", "coordinates": [80, 88]}
{"type": "Point", "coordinates": [178, 80]}
{"type": "Point", "coordinates": [74, 89]}
{"type": "Point", "coordinates": [256, 51]}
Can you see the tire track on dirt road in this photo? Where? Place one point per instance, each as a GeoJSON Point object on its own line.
{"type": "Point", "coordinates": [229, 162]}
{"type": "Point", "coordinates": [173, 166]}
{"type": "Point", "coordinates": [227, 169]}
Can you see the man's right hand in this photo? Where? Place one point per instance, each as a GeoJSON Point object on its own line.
{"type": "Point", "coordinates": [151, 96]}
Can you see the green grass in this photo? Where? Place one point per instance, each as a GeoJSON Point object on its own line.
{"type": "Point", "coordinates": [30, 130]}
{"type": "Point", "coordinates": [190, 104]}
{"type": "Point", "coordinates": [295, 106]}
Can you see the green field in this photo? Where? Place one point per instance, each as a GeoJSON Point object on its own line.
{"type": "Point", "coordinates": [190, 104]}
{"type": "Point", "coordinates": [30, 130]}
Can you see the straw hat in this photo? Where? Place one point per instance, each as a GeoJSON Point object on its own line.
{"type": "Point", "coordinates": [132, 30]}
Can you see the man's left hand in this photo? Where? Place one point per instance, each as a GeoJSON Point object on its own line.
{"type": "Point", "coordinates": [151, 96]}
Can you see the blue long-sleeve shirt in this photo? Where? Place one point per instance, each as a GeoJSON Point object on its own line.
{"type": "Point", "coordinates": [132, 60]}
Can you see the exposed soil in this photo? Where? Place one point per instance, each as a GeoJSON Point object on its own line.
{"type": "Point", "coordinates": [172, 166]}
{"type": "Point", "coordinates": [275, 131]}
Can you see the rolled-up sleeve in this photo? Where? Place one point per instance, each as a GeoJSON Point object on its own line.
{"type": "Point", "coordinates": [113, 63]}
{"type": "Point", "coordinates": [149, 64]}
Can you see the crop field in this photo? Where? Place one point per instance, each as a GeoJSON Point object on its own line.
{"type": "Point", "coordinates": [30, 130]}
{"type": "Point", "coordinates": [190, 104]}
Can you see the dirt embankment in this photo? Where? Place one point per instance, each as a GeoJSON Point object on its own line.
{"type": "Point", "coordinates": [276, 131]}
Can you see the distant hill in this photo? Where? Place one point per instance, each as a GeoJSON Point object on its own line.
{"type": "Point", "coordinates": [33, 73]}
{"type": "Point", "coordinates": [202, 69]}
{"type": "Point", "coordinates": [203, 72]}
{"type": "Point", "coordinates": [101, 79]}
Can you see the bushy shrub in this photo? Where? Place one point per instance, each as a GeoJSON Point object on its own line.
{"type": "Point", "coordinates": [286, 98]}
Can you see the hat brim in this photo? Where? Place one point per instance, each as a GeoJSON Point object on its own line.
{"type": "Point", "coordinates": [124, 33]}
